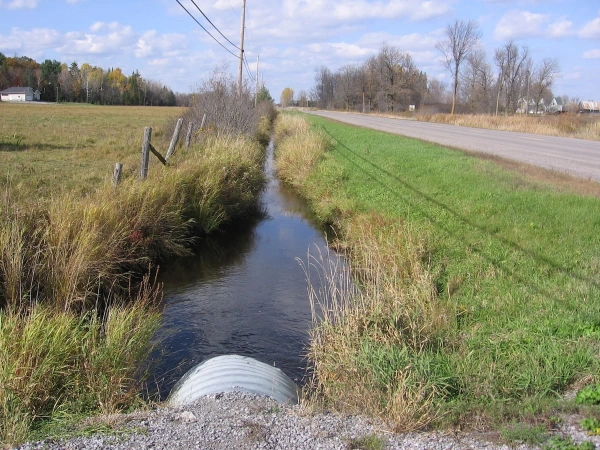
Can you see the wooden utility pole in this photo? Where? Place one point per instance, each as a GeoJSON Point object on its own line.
{"type": "Point", "coordinates": [242, 48]}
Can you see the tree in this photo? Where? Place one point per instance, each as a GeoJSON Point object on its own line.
{"type": "Point", "coordinates": [287, 97]}
{"type": "Point", "coordinates": [3, 72]}
{"type": "Point", "coordinates": [543, 77]}
{"type": "Point", "coordinates": [50, 72]}
{"type": "Point", "coordinates": [461, 39]}
{"type": "Point", "coordinates": [264, 95]}
{"type": "Point", "coordinates": [512, 64]}
{"type": "Point", "coordinates": [323, 92]}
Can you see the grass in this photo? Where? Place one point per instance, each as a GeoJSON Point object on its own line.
{"type": "Point", "coordinates": [564, 125]}
{"type": "Point", "coordinates": [479, 297]}
{"type": "Point", "coordinates": [76, 313]}
{"type": "Point", "coordinates": [58, 148]}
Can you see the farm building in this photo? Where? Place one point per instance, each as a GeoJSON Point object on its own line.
{"type": "Point", "coordinates": [529, 106]}
{"type": "Point", "coordinates": [19, 94]}
{"type": "Point", "coordinates": [589, 107]}
{"type": "Point", "coordinates": [555, 106]}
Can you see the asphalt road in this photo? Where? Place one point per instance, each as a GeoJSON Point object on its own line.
{"type": "Point", "coordinates": [566, 155]}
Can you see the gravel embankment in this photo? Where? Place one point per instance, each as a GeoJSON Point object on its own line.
{"type": "Point", "coordinates": [245, 421]}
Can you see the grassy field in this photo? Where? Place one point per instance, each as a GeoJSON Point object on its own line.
{"type": "Point", "coordinates": [480, 297]}
{"type": "Point", "coordinates": [77, 306]}
{"type": "Point", "coordinates": [50, 148]}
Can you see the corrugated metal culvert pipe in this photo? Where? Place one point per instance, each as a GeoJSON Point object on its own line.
{"type": "Point", "coordinates": [234, 373]}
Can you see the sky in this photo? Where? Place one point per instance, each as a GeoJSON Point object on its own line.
{"type": "Point", "coordinates": [292, 38]}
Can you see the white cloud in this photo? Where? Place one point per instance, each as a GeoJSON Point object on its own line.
{"type": "Point", "coordinates": [591, 29]}
{"type": "Point", "coordinates": [519, 24]}
{"type": "Point", "coordinates": [29, 41]}
{"type": "Point", "coordinates": [117, 38]}
{"type": "Point", "coordinates": [328, 11]}
{"type": "Point", "coordinates": [561, 28]}
{"type": "Point", "coordinates": [152, 43]}
{"type": "Point", "coordinates": [19, 4]}
{"type": "Point", "coordinates": [591, 54]}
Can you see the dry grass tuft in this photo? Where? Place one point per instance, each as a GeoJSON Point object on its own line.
{"type": "Point", "coordinates": [368, 343]}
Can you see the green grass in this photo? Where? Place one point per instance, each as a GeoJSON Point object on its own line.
{"type": "Point", "coordinates": [513, 265]}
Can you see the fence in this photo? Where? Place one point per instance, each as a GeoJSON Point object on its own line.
{"type": "Point", "coordinates": [148, 148]}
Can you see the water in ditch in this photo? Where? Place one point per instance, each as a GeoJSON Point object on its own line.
{"type": "Point", "coordinates": [244, 293]}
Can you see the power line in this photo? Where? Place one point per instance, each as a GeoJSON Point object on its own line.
{"type": "Point", "coordinates": [207, 32]}
{"type": "Point", "coordinates": [248, 68]}
{"type": "Point", "coordinates": [214, 26]}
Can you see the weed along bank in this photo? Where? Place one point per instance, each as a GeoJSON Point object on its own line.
{"type": "Point", "coordinates": [475, 302]}
{"type": "Point", "coordinates": [78, 303]}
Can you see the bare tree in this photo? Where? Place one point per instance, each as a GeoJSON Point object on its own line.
{"type": "Point", "coordinates": [347, 86]}
{"type": "Point", "coordinates": [461, 39]}
{"type": "Point", "coordinates": [436, 92]}
{"type": "Point", "coordinates": [324, 88]}
{"type": "Point", "coordinates": [226, 111]}
{"type": "Point", "coordinates": [543, 77]}
{"type": "Point", "coordinates": [512, 64]}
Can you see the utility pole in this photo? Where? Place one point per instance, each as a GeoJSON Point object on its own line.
{"type": "Point", "coordinates": [256, 93]}
{"type": "Point", "coordinates": [242, 48]}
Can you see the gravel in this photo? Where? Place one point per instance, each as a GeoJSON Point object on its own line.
{"type": "Point", "coordinates": [247, 421]}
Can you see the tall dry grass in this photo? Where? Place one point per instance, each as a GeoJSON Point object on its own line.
{"type": "Point", "coordinates": [74, 323]}
{"type": "Point", "coordinates": [368, 340]}
{"type": "Point", "coordinates": [64, 363]}
{"type": "Point", "coordinates": [297, 148]}
{"type": "Point", "coordinates": [565, 125]}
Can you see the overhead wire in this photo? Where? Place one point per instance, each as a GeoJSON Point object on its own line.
{"type": "Point", "coordinates": [214, 26]}
{"type": "Point", "coordinates": [248, 68]}
{"type": "Point", "coordinates": [207, 32]}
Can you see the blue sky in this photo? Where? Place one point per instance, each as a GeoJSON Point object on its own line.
{"type": "Point", "coordinates": [294, 37]}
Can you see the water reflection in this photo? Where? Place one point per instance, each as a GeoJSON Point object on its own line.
{"type": "Point", "coordinates": [244, 293]}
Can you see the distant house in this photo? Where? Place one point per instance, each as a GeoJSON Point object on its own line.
{"type": "Point", "coordinates": [589, 107]}
{"type": "Point", "coordinates": [19, 94]}
{"type": "Point", "coordinates": [525, 106]}
{"type": "Point", "coordinates": [556, 106]}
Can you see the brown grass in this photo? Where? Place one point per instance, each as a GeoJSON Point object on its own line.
{"type": "Point", "coordinates": [365, 340]}
{"type": "Point", "coordinates": [564, 125]}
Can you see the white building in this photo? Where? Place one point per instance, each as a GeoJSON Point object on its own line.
{"type": "Point", "coordinates": [19, 94]}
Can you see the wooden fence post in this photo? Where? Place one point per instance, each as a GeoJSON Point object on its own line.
{"type": "Point", "coordinates": [188, 137]}
{"type": "Point", "coordinates": [203, 120]}
{"type": "Point", "coordinates": [174, 139]}
{"type": "Point", "coordinates": [145, 153]}
{"type": "Point", "coordinates": [117, 174]}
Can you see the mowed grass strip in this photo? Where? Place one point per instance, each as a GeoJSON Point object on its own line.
{"type": "Point", "coordinates": [513, 266]}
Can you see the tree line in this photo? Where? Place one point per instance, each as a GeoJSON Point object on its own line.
{"type": "Point", "coordinates": [391, 82]}
{"type": "Point", "coordinates": [386, 82]}
{"type": "Point", "coordinates": [58, 81]}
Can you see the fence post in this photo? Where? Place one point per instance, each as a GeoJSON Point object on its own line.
{"type": "Point", "coordinates": [145, 153]}
{"type": "Point", "coordinates": [203, 120]}
{"type": "Point", "coordinates": [117, 174]}
{"type": "Point", "coordinates": [174, 139]}
{"type": "Point", "coordinates": [188, 137]}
